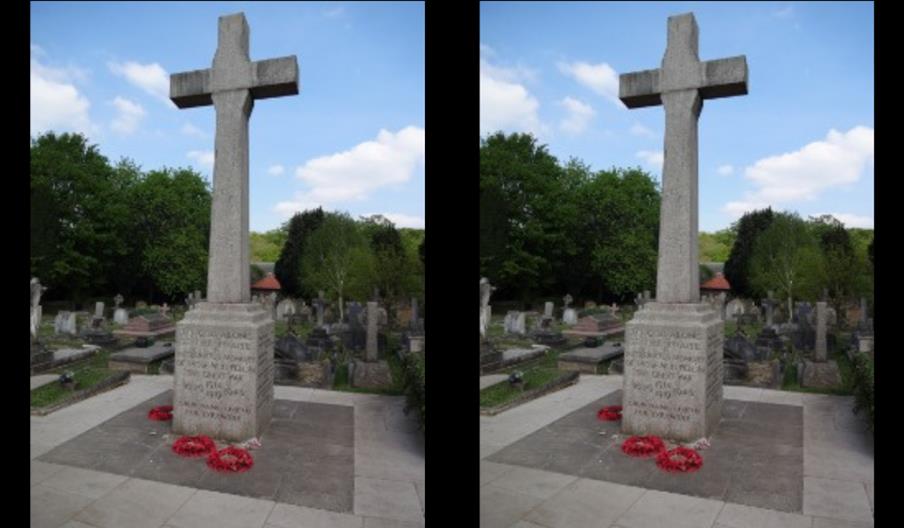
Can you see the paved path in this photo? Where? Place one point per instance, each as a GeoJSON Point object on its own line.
{"type": "Point", "coordinates": [389, 473]}
{"type": "Point", "coordinates": [491, 379]}
{"type": "Point", "coordinates": [838, 473]}
{"type": "Point", "coordinates": [40, 380]}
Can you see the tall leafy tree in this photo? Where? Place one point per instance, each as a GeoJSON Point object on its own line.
{"type": "Point", "coordinates": [74, 224]}
{"type": "Point", "coordinates": [737, 267]}
{"type": "Point", "coordinates": [337, 258]}
{"type": "Point", "coordinates": [171, 228]}
{"type": "Point", "coordinates": [288, 266]}
{"type": "Point", "coordinates": [786, 258]}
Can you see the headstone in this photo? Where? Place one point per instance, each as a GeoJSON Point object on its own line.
{"type": "Point", "coordinates": [567, 300]}
{"type": "Point", "coordinates": [224, 366]}
{"type": "Point", "coordinates": [121, 316]}
{"type": "Point", "coordinates": [734, 308]}
{"type": "Point", "coordinates": [547, 309]}
{"type": "Point", "coordinates": [118, 300]}
{"type": "Point", "coordinates": [139, 359]}
{"type": "Point", "coordinates": [36, 311]}
{"type": "Point", "coordinates": [515, 323]}
{"type": "Point", "coordinates": [821, 351]}
{"type": "Point", "coordinates": [863, 313]}
{"type": "Point", "coordinates": [320, 306]}
{"type": "Point", "coordinates": [372, 319]}
{"type": "Point", "coordinates": [768, 305]}
{"type": "Point", "coordinates": [305, 312]}
{"type": "Point", "coordinates": [570, 316]}
{"type": "Point", "coordinates": [414, 314]}
{"type": "Point", "coordinates": [587, 360]}
{"type": "Point", "coordinates": [284, 309]}
{"type": "Point", "coordinates": [673, 355]}
{"type": "Point", "coordinates": [98, 310]}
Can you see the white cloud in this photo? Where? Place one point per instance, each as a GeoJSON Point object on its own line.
{"type": "Point", "coordinates": [191, 130]}
{"type": "Point", "coordinates": [579, 115]}
{"type": "Point", "coordinates": [332, 13]}
{"type": "Point", "coordinates": [787, 12]}
{"type": "Point", "coordinates": [505, 104]}
{"type": "Point", "coordinates": [601, 78]}
{"type": "Point", "coordinates": [803, 175]}
{"type": "Point", "coordinates": [151, 78]}
{"type": "Point", "coordinates": [402, 220]}
{"type": "Point", "coordinates": [639, 130]}
{"type": "Point", "coordinates": [352, 175]}
{"type": "Point", "coordinates": [55, 103]}
{"type": "Point", "coordinates": [652, 158]}
{"type": "Point", "coordinates": [203, 158]}
{"type": "Point", "coordinates": [851, 220]}
{"type": "Point", "coordinates": [128, 116]}
{"type": "Point", "coordinates": [276, 170]}
{"type": "Point", "coordinates": [725, 170]}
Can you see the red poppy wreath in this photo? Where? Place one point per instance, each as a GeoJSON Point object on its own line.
{"type": "Point", "coordinates": [194, 446]}
{"type": "Point", "coordinates": [610, 413]}
{"type": "Point", "coordinates": [681, 459]}
{"type": "Point", "coordinates": [643, 446]}
{"type": "Point", "coordinates": [161, 413]}
{"type": "Point", "coordinates": [230, 459]}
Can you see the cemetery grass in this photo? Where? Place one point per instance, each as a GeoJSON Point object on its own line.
{"type": "Point", "coordinates": [87, 373]}
{"type": "Point", "coordinates": [845, 368]}
{"type": "Point", "coordinates": [502, 392]}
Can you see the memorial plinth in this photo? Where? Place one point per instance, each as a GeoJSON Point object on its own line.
{"type": "Point", "coordinates": [224, 371]}
{"type": "Point", "coordinates": [673, 371]}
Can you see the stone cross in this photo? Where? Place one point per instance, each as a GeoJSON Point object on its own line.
{"type": "Point", "coordinates": [319, 303]}
{"type": "Point", "coordinates": [118, 300]}
{"type": "Point", "coordinates": [370, 353]}
{"type": "Point", "coordinates": [567, 300]}
{"type": "Point", "coordinates": [231, 86]}
{"type": "Point", "coordinates": [680, 85]}
{"type": "Point", "coordinates": [821, 352]}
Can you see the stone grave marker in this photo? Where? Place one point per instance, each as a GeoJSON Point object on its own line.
{"type": "Point", "coordinates": [547, 309]}
{"type": "Point", "coordinates": [224, 365]}
{"type": "Point", "coordinates": [515, 323]}
{"type": "Point", "coordinates": [485, 310]}
{"type": "Point", "coordinates": [673, 353]}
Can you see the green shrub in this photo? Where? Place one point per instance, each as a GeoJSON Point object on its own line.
{"type": "Point", "coordinates": [414, 384]}
{"type": "Point", "coordinates": [864, 387]}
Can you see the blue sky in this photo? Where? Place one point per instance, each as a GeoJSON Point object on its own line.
{"type": "Point", "coordinates": [352, 140]}
{"type": "Point", "coordinates": [801, 140]}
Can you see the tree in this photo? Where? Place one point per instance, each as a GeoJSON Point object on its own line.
{"type": "Point", "coordinates": [171, 230]}
{"type": "Point", "coordinates": [288, 266]}
{"type": "Point", "coordinates": [841, 273]}
{"type": "Point", "coordinates": [715, 247]}
{"type": "Point", "coordinates": [785, 258]}
{"type": "Point", "coordinates": [266, 247]}
{"type": "Point", "coordinates": [337, 258]}
{"type": "Point", "coordinates": [75, 215]}
{"type": "Point", "coordinates": [747, 230]}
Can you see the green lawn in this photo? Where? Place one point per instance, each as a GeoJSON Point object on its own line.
{"type": "Point", "coordinates": [87, 373]}
{"type": "Point", "coordinates": [503, 392]}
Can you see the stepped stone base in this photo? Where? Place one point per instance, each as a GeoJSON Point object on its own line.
{"type": "Point", "coordinates": [224, 371]}
{"type": "Point", "coordinates": [673, 371]}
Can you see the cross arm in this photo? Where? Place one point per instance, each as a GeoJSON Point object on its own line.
{"type": "Point", "coordinates": [275, 77]}
{"type": "Point", "coordinates": [639, 89]}
{"type": "Point", "coordinates": [190, 89]}
{"type": "Point", "coordinates": [724, 77]}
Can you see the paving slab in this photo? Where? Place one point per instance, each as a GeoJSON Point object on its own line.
{"type": "Point", "coordinates": [585, 503]}
{"type": "Point", "coordinates": [43, 379]}
{"type": "Point", "coordinates": [307, 456]}
{"type": "Point", "coordinates": [756, 456]}
{"type": "Point", "coordinates": [836, 499]}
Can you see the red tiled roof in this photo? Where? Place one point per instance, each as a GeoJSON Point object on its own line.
{"type": "Point", "coordinates": [267, 283]}
{"type": "Point", "coordinates": [716, 283]}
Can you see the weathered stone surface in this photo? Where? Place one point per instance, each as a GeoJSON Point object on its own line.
{"type": "Point", "coordinates": [138, 360]}
{"type": "Point", "coordinates": [588, 359]}
{"type": "Point", "coordinates": [673, 371]}
{"type": "Point", "coordinates": [372, 375]}
{"type": "Point", "coordinates": [547, 309]}
{"type": "Point", "coordinates": [570, 316]}
{"type": "Point", "coordinates": [821, 350]}
{"type": "Point", "coordinates": [224, 371]}
{"type": "Point", "coordinates": [372, 319]}
{"type": "Point", "coordinates": [820, 374]}
{"type": "Point", "coordinates": [515, 323]}
{"type": "Point", "coordinates": [121, 316]}
{"type": "Point", "coordinates": [148, 325]}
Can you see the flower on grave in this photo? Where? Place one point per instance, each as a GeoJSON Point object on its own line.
{"type": "Point", "coordinates": [680, 459]}
{"type": "Point", "coordinates": [230, 459]}
{"type": "Point", "coordinates": [516, 377]}
{"type": "Point", "coordinates": [67, 377]}
{"type": "Point", "coordinates": [643, 446]}
{"type": "Point", "coordinates": [610, 413]}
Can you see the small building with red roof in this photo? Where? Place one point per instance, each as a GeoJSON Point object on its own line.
{"type": "Point", "coordinates": [266, 286]}
{"type": "Point", "coordinates": [715, 285]}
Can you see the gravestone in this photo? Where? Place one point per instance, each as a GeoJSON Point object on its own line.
{"type": "Point", "coordinates": [305, 312]}
{"type": "Point", "coordinates": [224, 363]}
{"type": "Point", "coordinates": [673, 353]}
{"type": "Point", "coordinates": [485, 310]}
{"type": "Point", "coordinates": [36, 311]}
{"type": "Point", "coordinates": [139, 359]}
{"type": "Point", "coordinates": [65, 323]}
{"type": "Point", "coordinates": [570, 316]}
{"type": "Point", "coordinates": [547, 309]}
{"type": "Point", "coordinates": [118, 300]}
{"type": "Point", "coordinates": [372, 320]}
{"type": "Point", "coordinates": [121, 316]}
{"type": "Point", "coordinates": [319, 303]}
{"type": "Point", "coordinates": [821, 350]}
{"type": "Point", "coordinates": [515, 323]}
{"type": "Point", "coordinates": [863, 314]}
{"type": "Point", "coordinates": [587, 360]}
{"type": "Point", "coordinates": [734, 308]}
{"type": "Point", "coordinates": [285, 309]}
